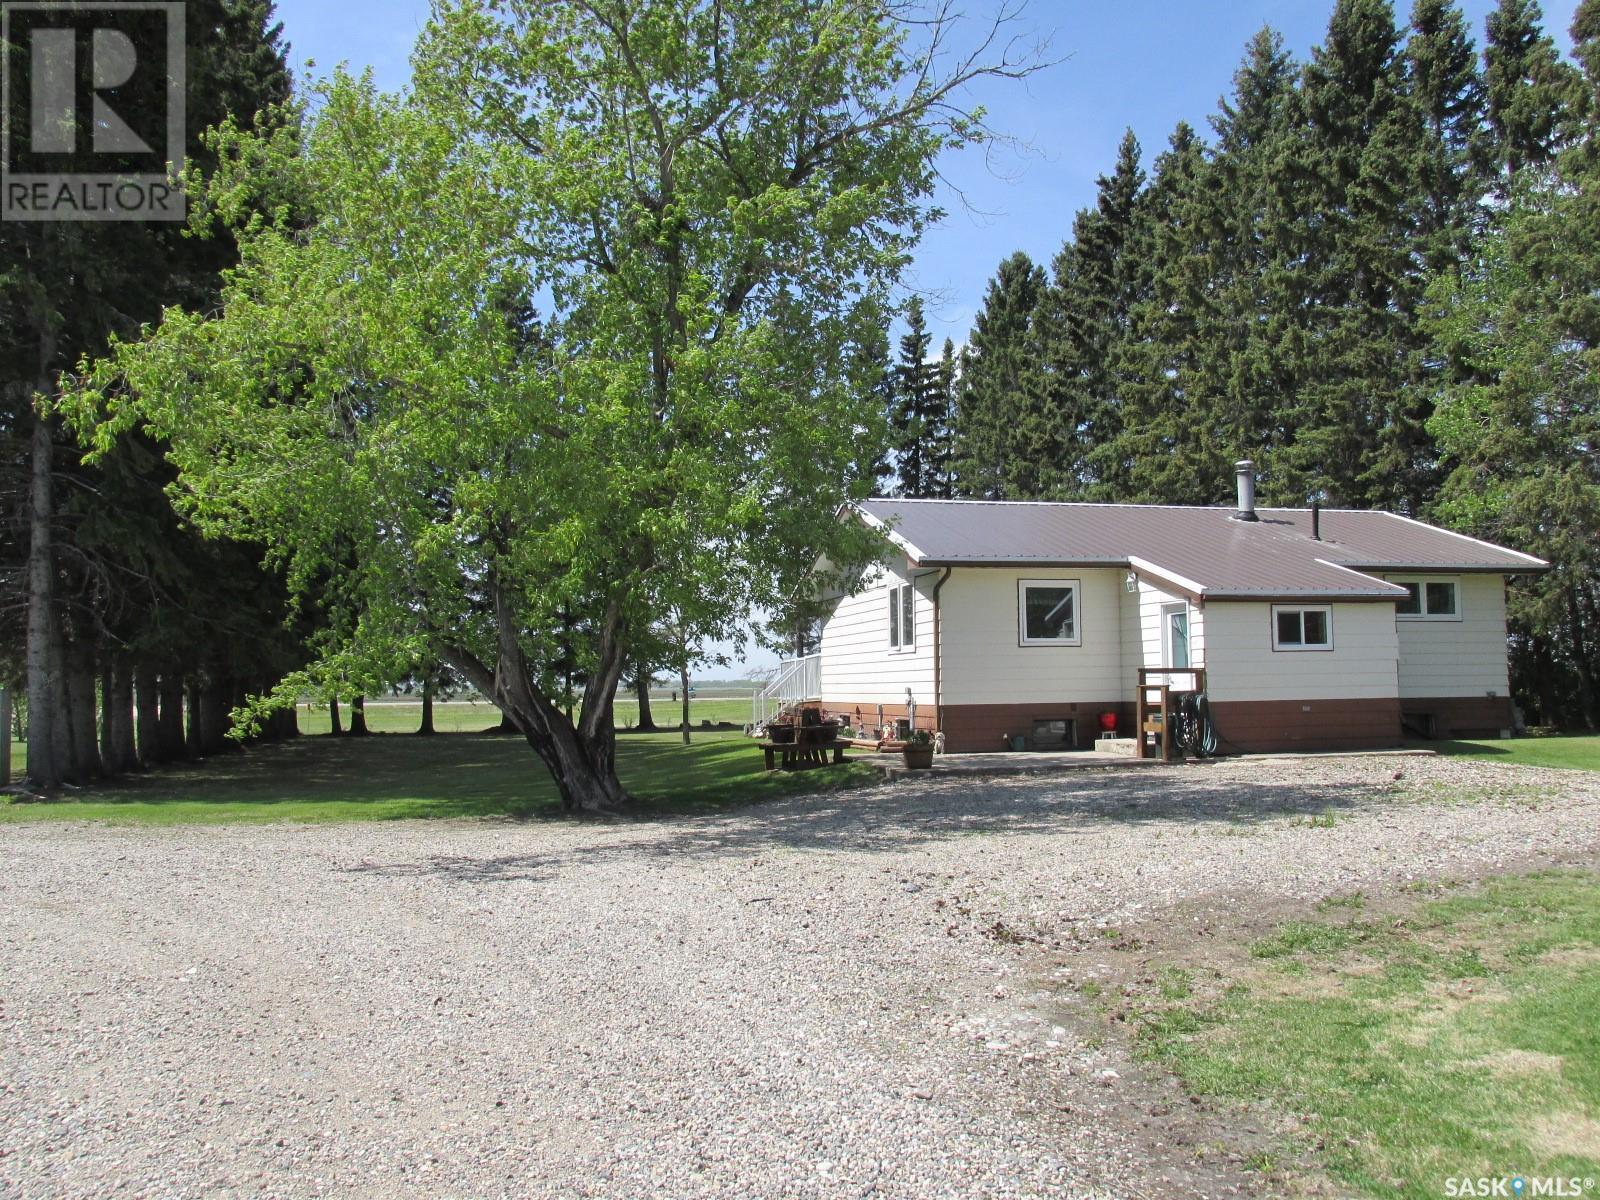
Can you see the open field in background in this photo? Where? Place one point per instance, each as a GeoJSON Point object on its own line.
{"type": "Point", "coordinates": [473, 716]}
{"type": "Point", "coordinates": [1446, 1033]}
{"type": "Point", "coordinates": [393, 776]}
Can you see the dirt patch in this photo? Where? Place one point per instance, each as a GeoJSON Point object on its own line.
{"type": "Point", "coordinates": [1520, 1062]}
{"type": "Point", "coordinates": [1567, 1133]}
{"type": "Point", "coordinates": [1572, 956]}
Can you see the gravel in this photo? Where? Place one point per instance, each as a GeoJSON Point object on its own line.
{"type": "Point", "coordinates": [841, 996]}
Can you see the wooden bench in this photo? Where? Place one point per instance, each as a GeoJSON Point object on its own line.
{"type": "Point", "coordinates": [794, 754]}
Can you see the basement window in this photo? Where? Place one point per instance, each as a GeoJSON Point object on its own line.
{"type": "Point", "coordinates": [1047, 612]}
{"type": "Point", "coordinates": [1302, 628]}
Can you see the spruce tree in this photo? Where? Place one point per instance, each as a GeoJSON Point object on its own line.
{"type": "Point", "coordinates": [920, 412]}
{"type": "Point", "coordinates": [1245, 351]}
{"type": "Point", "coordinates": [994, 364]}
{"type": "Point", "coordinates": [1066, 432]}
{"type": "Point", "coordinates": [1526, 88]}
{"type": "Point", "coordinates": [1166, 435]}
{"type": "Point", "coordinates": [1354, 195]}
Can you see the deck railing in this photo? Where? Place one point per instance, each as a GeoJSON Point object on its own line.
{"type": "Point", "coordinates": [795, 681]}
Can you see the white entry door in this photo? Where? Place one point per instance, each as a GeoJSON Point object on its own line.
{"type": "Point", "coordinates": [1175, 635]}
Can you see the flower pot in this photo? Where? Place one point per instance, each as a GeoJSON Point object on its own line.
{"type": "Point", "coordinates": [918, 758]}
{"type": "Point", "coordinates": [780, 735]}
{"type": "Point", "coordinates": [1108, 722]}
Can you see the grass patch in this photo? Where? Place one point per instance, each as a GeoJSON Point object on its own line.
{"type": "Point", "coordinates": [391, 777]}
{"type": "Point", "coordinates": [1577, 752]}
{"type": "Point", "coordinates": [1455, 1040]}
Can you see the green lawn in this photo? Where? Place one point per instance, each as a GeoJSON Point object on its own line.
{"type": "Point", "coordinates": [1453, 1038]}
{"type": "Point", "coordinates": [1578, 751]}
{"type": "Point", "coordinates": [393, 776]}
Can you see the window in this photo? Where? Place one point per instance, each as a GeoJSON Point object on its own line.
{"type": "Point", "coordinates": [1429, 599]}
{"type": "Point", "coordinates": [1302, 628]}
{"type": "Point", "coordinates": [902, 617]}
{"type": "Point", "coordinates": [1047, 612]}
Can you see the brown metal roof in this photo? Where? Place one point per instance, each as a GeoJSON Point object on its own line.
{"type": "Point", "coordinates": [1204, 551]}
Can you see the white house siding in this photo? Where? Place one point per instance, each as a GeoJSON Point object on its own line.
{"type": "Point", "coordinates": [984, 664]}
{"type": "Point", "coordinates": [1144, 633]}
{"type": "Point", "coordinates": [1242, 665]}
{"type": "Point", "coordinates": [858, 665]}
{"type": "Point", "coordinates": [1457, 658]}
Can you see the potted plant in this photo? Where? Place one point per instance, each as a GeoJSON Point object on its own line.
{"type": "Point", "coordinates": [918, 750]}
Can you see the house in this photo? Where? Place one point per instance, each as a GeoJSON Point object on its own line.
{"type": "Point", "coordinates": [1317, 629]}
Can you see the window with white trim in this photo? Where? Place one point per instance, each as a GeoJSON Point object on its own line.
{"type": "Point", "coordinates": [1429, 600]}
{"type": "Point", "coordinates": [1302, 627]}
{"type": "Point", "coordinates": [1047, 612]}
{"type": "Point", "coordinates": [902, 617]}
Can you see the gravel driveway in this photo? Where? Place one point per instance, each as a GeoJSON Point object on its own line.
{"type": "Point", "coordinates": [846, 996]}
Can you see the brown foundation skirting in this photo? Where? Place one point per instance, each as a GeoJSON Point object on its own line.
{"type": "Point", "coordinates": [980, 727]}
{"type": "Point", "coordinates": [1459, 716]}
{"type": "Point", "coordinates": [1264, 726]}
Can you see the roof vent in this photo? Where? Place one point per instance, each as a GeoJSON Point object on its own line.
{"type": "Point", "coordinates": [1246, 472]}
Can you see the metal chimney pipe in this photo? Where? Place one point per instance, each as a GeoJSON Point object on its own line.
{"type": "Point", "coordinates": [1316, 520]}
{"type": "Point", "coordinates": [1245, 470]}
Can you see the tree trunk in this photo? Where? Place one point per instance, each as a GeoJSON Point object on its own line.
{"type": "Point", "coordinates": [334, 727]}
{"type": "Point", "coordinates": [683, 678]}
{"type": "Point", "coordinates": [641, 682]}
{"type": "Point", "coordinates": [358, 717]}
{"type": "Point", "coordinates": [46, 742]}
{"type": "Point", "coordinates": [215, 716]}
{"type": "Point", "coordinates": [147, 714]}
{"type": "Point", "coordinates": [83, 730]}
{"type": "Point", "coordinates": [1580, 659]}
{"type": "Point", "coordinates": [582, 758]}
{"type": "Point", "coordinates": [116, 720]}
{"type": "Point", "coordinates": [5, 737]}
{"type": "Point", "coordinates": [426, 729]}
{"type": "Point", "coordinates": [170, 722]}
{"type": "Point", "coordinates": [194, 701]}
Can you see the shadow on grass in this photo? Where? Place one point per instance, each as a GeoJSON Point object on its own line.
{"type": "Point", "coordinates": [397, 777]}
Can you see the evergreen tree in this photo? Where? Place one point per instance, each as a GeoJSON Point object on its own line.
{"type": "Point", "coordinates": [1353, 189]}
{"type": "Point", "coordinates": [920, 413]}
{"type": "Point", "coordinates": [1526, 88]}
{"type": "Point", "coordinates": [941, 479]}
{"type": "Point", "coordinates": [1244, 360]}
{"type": "Point", "coordinates": [1070, 408]}
{"type": "Point", "coordinates": [1166, 436]}
{"type": "Point", "coordinates": [1448, 91]}
{"type": "Point", "coordinates": [67, 287]}
{"type": "Point", "coordinates": [989, 385]}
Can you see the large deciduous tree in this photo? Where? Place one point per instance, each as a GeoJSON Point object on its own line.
{"type": "Point", "coordinates": [708, 201]}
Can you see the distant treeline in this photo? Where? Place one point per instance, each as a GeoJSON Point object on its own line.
{"type": "Point", "coordinates": [1379, 278]}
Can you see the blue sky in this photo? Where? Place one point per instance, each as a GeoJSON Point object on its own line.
{"type": "Point", "coordinates": [1144, 64]}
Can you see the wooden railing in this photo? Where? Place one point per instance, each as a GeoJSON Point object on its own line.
{"type": "Point", "coordinates": [1154, 707]}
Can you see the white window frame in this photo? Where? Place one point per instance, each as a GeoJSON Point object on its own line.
{"type": "Point", "coordinates": [1022, 612]}
{"type": "Point", "coordinates": [902, 635]}
{"type": "Point", "coordinates": [1292, 648]}
{"type": "Point", "coordinates": [1421, 582]}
